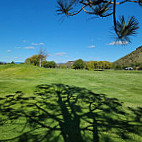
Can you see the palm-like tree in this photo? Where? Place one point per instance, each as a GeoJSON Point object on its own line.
{"type": "Point", "coordinates": [102, 8]}
{"type": "Point", "coordinates": [124, 30]}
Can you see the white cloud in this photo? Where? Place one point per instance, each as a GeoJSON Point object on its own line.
{"type": "Point", "coordinates": [8, 51]}
{"type": "Point", "coordinates": [92, 46]}
{"type": "Point", "coordinates": [60, 54]}
{"type": "Point", "coordinates": [118, 43]}
{"type": "Point", "coordinates": [29, 47]}
{"type": "Point", "coordinates": [36, 44]}
{"type": "Point", "coordinates": [41, 43]}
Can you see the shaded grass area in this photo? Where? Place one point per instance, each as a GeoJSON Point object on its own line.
{"type": "Point", "coordinates": [59, 112]}
{"type": "Point", "coordinates": [123, 85]}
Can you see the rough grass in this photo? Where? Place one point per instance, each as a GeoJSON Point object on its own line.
{"type": "Point", "coordinates": [123, 85]}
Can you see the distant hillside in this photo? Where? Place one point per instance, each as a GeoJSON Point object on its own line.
{"type": "Point", "coordinates": [134, 57]}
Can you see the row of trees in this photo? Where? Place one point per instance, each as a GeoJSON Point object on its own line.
{"type": "Point", "coordinates": [3, 63]}
{"type": "Point", "coordinates": [78, 64]}
{"type": "Point", "coordinates": [135, 66]}
{"type": "Point", "coordinates": [40, 60]}
{"type": "Point", "coordinates": [98, 65]}
{"type": "Point", "coordinates": [91, 65]}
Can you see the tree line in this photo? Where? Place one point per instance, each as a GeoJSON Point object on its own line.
{"type": "Point", "coordinates": [38, 60]}
{"type": "Point", "coordinates": [78, 64]}
{"type": "Point", "coordinates": [135, 66]}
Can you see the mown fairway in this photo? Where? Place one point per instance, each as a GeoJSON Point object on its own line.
{"type": "Point", "coordinates": [126, 86]}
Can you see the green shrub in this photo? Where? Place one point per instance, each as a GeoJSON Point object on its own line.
{"type": "Point", "coordinates": [49, 64]}
{"type": "Point", "coordinates": [118, 67]}
{"type": "Point", "coordinates": [79, 64]}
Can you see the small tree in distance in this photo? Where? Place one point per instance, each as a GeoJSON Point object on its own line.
{"type": "Point", "coordinates": [49, 64]}
{"type": "Point", "coordinates": [103, 8]}
{"type": "Point", "coordinates": [79, 64]}
{"type": "Point", "coordinates": [12, 62]}
{"type": "Point", "coordinates": [35, 60]}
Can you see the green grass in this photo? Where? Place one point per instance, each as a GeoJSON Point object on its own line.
{"type": "Point", "coordinates": [123, 85]}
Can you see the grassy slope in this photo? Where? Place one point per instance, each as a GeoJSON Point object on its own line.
{"type": "Point", "coordinates": [124, 85]}
{"type": "Point", "coordinates": [133, 57]}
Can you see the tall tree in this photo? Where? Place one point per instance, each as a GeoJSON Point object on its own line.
{"type": "Point", "coordinates": [35, 59]}
{"type": "Point", "coordinates": [103, 8]}
{"type": "Point", "coordinates": [42, 55]}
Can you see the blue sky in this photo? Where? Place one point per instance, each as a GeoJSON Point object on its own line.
{"type": "Point", "coordinates": [27, 25]}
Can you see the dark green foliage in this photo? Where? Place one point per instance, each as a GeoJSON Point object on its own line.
{"type": "Point", "coordinates": [79, 64]}
{"type": "Point", "coordinates": [60, 113]}
{"type": "Point", "coordinates": [101, 10]}
{"type": "Point", "coordinates": [140, 67]}
{"type": "Point", "coordinates": [49, 64]}
{"type": "Point", "coordinates": [124, 30]}
{"type": "Point", "coordinates": [64, 7]}
{"type": "Point", "coordinates": [118, 67]}
{"type": "Point", "coordinates": [12, 62]}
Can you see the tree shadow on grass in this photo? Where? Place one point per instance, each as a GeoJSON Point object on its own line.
{"type": "Point", "coordinates": [60, 112]}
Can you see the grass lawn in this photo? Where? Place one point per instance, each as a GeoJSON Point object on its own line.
{"type": "Point", "coordinates": [126, 86]}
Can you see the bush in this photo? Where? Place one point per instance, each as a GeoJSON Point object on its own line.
{"type": "Point", "coordinates": [12, 62]}
{"type": "Point", "coordinates": [79, 64]}
{"type": "Point", "coordinates": [49, 64]}
{"type": "Point", "coordinates": [118, 67]}
{"type": "Point", "coordinates": [140, 67]}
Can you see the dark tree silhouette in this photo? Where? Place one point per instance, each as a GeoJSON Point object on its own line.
{"type": "Point", "coordinates": [102, 8]}
{"type": "Point", "coordinates": [60, 112]}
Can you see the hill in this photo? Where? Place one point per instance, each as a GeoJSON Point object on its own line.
{"type": "Point", "coordinates": [134, 58]}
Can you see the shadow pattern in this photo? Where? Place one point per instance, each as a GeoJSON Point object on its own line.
{"type": "Point", "coordinates": [60, 112]}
